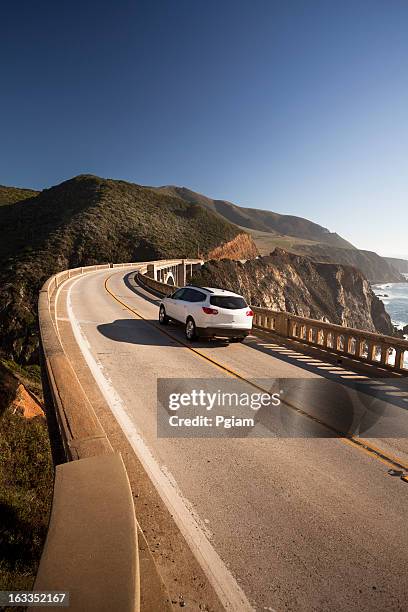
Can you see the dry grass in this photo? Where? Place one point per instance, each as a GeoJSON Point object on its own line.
{"type": "Point", "coordinates": [26, 482]}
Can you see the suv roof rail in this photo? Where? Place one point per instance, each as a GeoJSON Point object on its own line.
{"type": "Point", "coordinates": [199, 287]}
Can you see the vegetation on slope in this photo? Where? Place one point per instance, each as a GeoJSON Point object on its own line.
{"type": "Point", "coordinates": [10, 195]}
{"type": "Point", "coordinates": [26, 477]}
{"type": "Point", "coordinates": [83, 221]}
{"type": "Point", "coordinates": [261, 220]}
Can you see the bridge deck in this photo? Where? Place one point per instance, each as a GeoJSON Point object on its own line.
{"type": "Point", "coordinates": [285, 523]}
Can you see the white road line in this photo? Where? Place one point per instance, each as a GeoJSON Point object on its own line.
{"type": "Point", "coordinates": [228, 590]}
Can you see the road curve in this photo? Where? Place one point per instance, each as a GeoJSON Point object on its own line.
{"type": "Point", "coordinates": [277, 523]}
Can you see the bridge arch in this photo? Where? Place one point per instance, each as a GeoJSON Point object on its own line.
{"type": "Point", "coordinates": [169, 278]}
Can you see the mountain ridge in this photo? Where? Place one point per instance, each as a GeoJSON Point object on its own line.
{"type": "Point", "coordinates": [294, 234]}
{"type": "Point", "coordinates": [399, 264]}
{"type": "Point", "coordinates": [259, 219]}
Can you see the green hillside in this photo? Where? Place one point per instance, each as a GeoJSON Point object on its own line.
{"type": "Point", "coordinates": [261, 220]}
{"type": "Point", "coordinates": [10, 195]}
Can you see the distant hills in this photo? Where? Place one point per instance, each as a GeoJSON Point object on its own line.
{"type": "Point", "coordinates": [400, 264]}
{"type": "Point", "coordinates": [261, 220]}
{"type": "Point", "coordinates": [294, 234]}
{"type": "Point", "coordinates": [376, 268]}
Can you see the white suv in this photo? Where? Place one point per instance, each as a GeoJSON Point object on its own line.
{"type": "Point", "coordinates": [209, 312]}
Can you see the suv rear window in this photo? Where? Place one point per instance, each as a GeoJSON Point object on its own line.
{"type": "Point", "coordinates": [228, 301]}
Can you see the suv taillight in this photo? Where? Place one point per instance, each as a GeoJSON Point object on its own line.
{"type": "Point", "coordinates": [249, 313]}
{"type": "Point", "coordinates": [207, 310]}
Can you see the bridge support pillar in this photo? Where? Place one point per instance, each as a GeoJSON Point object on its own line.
{"type": "Point", "coordinates": [151, 271]}
{"type": "Point", "coordinates": [399, 358]}
{"type": "Point", "coordinates": [181, 274]}
{"type": "Point", "coordinates": [282, 325]}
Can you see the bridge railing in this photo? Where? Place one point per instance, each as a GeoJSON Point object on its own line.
{"type": "Point", "coordinates": [376, 349]}
{"type": "Point", "coordinates": [386, 352]}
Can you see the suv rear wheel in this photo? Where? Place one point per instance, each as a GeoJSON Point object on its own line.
{"type": "Point", "coordinates": [191, 332]}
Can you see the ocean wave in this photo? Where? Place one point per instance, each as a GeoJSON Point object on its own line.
{"type": "Point", "coordinates": [395, 301]}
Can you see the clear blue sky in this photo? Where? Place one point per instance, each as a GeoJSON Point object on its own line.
{"type": "Point", "coordinates": [297, 106]}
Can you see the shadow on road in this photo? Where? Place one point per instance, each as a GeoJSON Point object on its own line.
{"type": "Point", "coordinates": [138, 331]}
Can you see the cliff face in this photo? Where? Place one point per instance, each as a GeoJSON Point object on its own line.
{"type": "Point", "coordinates": [284, 281]}
{"type": "Point", "coordinates": [240, 247]}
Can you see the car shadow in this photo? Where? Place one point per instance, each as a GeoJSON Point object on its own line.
{"type": "Point", "coordinates": [138, 331]}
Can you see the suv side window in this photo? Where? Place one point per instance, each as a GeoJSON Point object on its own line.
{"type": "Point", "coordinates": [192, 295]}
{"type": "Point", "coordinates": [179, 294]}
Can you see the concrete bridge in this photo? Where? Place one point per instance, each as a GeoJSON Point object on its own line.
{"type": "Point", "coordinates": [261, 523]}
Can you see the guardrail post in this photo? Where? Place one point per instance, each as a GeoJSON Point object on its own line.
{"type": "Point", "coordinates": [181, 274]}
{"type": "Point", "coordinates": [282, 325]}
{"type": "Point", "coordinates": [384, 354]}
{"type": "Point", "coordinates": [399, 358]}
{"type": "Point", "coordinates": [371, 351]}
{"type": "Point", "coordinates": [151, 271]}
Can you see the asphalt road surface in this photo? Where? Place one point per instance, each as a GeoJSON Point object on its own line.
{"type": "Point", "coordinates": [278, 521]}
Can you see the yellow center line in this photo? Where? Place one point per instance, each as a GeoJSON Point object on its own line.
{"type": "Point", "coordinates": [362, 445]}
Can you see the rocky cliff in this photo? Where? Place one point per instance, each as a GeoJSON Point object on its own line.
{"type": "Point", "coordinates": [284, 281]}
{"type": "Point", "coordinates": [16, 397]}
{"type": "Point", "coordinates": [240, 247]}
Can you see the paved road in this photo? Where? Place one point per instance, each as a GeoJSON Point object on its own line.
{"type": "Point", "coordinates": [300, 523]}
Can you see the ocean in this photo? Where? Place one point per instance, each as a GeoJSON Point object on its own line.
{"type": "Point", "coordinates": [395, 299]}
